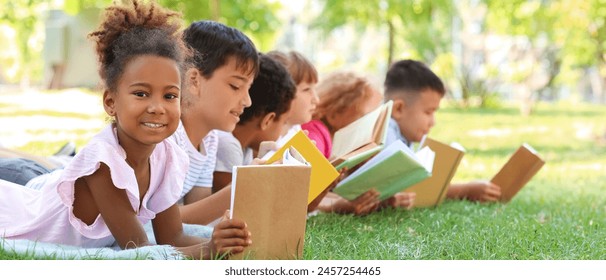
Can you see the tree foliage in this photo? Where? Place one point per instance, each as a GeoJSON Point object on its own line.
{"type": "Point", "coordinates": [24, 18]}
{"type": "Point", "coordinates": [420, 25]}
{"type": "Point", "coordinates": [566, 36]}
{"type": "Point", "coordinates": [255, 18]}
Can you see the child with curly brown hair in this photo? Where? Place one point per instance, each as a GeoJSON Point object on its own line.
{"type": "Point", "coordinates": [346, 96]}
{"type": "Point", "coordinates": [129, 173]}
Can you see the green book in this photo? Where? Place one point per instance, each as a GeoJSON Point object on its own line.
{"type": "Point", "coordinates": [393, 169]}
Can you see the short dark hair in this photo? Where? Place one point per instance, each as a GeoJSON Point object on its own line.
{"type": "Point", "coordinates": [272, 90]}
{"type": "Point", "coordinates": [213, 43]}
{"type": "Point", "coordinates": [411, 77]}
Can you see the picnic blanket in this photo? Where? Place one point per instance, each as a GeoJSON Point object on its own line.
{"type": "Point", "coordinates": [57, 251]}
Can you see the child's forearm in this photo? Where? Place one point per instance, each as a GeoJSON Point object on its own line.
{"type": "Point", "coordinates": [207, 210]}
{"type": "Point", "coordinates": [196, 194]}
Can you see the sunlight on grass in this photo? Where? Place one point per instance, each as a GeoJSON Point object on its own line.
{"type": "Point", "coordinates": [560, 214]}
{"type": "Point", "coordinates": [41, 122]}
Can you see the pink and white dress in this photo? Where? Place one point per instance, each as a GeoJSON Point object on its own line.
{"type": "Point", "coordinates": [46, 214]}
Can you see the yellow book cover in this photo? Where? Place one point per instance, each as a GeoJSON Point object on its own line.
{"type": "Point", "coordinates": [432, 191]}
{"type": "Point", "coordinates": [322, 172]}
{"type": "Point", "coordinates": [518, 170]}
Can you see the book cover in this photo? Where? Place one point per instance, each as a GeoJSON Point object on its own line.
{"type": "Point", "coordinates": [322, 172]}
{"type": "Point", "coordinates": [272, 200]}
{"type": "Point", "coordinates": [393, 169]}
{"type": "Point", "coordinates": [519, 169]}
{"type": "Point", "coordinates": [432, 191]}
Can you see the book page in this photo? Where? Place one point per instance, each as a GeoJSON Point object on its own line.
{"type": "Point", "coordinates": [458, 146]}
{"type": "Point", "coordinates": [380, 130]}
{"type": "Point", "coordinates": [293, 157]}
{"type": "Point", "coordinates": [234, 172]}
{"type": "Point", "coordinates": [426, 157]}
{"type": "Point", "coordinates": [355, 135]}
{"type": "Point", "coordinates": [530, 148]}
{"type": "Point", "coordinates": [352, 159]}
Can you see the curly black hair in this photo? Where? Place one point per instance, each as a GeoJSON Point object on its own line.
{"type": "Point", "coordinates": [136, 29]}
{"type": "Point", "coordinates": [272, 90]}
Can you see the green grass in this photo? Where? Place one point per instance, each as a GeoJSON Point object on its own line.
{"type": "Point", "coordinates": [560, 214]}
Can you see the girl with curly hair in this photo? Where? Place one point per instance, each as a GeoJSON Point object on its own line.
{"type": "Point", "coordinates": [130, 173]}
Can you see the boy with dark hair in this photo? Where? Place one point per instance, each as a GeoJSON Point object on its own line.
{"type": "Point", "coordinates": [416, 93]}
{"type": "Point", "coordinates": [225, 63]}
{"type": "Point", "coordinates": [271, 93]}
{"type": "Point", "coordinates": [216, 93]}
{"type": "Point", "coordinates": [215, 43]}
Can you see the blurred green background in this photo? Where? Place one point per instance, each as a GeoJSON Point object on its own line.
{"type": "Point", "coordinates": [486, 51]}
{"type": "Point", "coordinates": [517, 71]}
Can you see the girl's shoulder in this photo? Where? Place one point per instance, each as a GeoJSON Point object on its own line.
{"type": "Point", "coordinates": [103, 145]}
{"type": "Point", "coordinates": [316, 127]}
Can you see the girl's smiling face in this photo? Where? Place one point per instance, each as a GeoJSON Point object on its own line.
{"type": "Point", "coordinates": [146, 104]}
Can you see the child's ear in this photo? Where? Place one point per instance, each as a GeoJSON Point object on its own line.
{"type": "Point", "coordinates": [266, 120]}
{"type": "Point", "coordinates": [398, 108]}
{"type": "Point", "coordinates": [193, 78]}
{"type": "Point", "coordinates": [109, 103]}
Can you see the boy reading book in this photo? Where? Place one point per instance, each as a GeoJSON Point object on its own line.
{"type": "Point", "coordinates": [395, 168]}
{"type": "Point", "coordinates": [344, 98]}
{"type": "Point", "coordinates": [271, 93]}
{"type": "Point", "coordinates": [416, 93]}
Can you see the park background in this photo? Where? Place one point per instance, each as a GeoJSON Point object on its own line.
{"type": "Point", "coordinates": [516, 71]}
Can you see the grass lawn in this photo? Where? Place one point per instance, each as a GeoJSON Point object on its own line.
{"type": "Point", "coordinates": [560, 214]}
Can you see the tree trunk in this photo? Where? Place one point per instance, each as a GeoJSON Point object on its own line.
{"type": "Point", "coordinates": [390, 46]}
{"type": "Point", "coordinates": [215, 8]}
{"type": "Point", "coordinates": [597, 85]}
{"type": "Point", "coordinates": [526, 101]}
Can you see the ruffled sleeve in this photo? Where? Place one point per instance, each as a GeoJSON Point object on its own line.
{"type": "Point", "coordinates": [103, 148]}
{"type": "Point", "coordinates": [172, 163]}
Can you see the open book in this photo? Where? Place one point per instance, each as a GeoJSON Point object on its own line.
{"type": "Point", "coordinates": [518, 170]}
{"type": "Point", "coordinates": [393, 169]}
{"type": "Point", "coordinates": [432, 191]}
{"type": "Point", "coordinates": [361, 139]}
{"type": "Point", "coordinates": [272, 200]}
{"type": "Point", "coordinates": [322, 172]}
